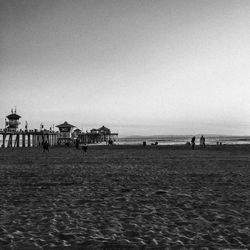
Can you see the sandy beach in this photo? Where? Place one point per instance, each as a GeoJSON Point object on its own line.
{"type": "Point", "coordinates": [125, 197]}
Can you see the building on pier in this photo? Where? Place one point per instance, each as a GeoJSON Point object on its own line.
{"type": "Point", "coordinates": [65, 135]}
{"type": "Point", "coordinates": [13, 121]}
{"type": "Point", "coordinates": [102, 134]}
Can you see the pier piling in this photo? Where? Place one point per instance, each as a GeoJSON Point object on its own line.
{"type": "Point", "coordinates": [29, 138]}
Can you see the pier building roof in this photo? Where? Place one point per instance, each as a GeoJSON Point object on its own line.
{"type": "Point", "coordinates": [13, 116]}
{"type": "Point", "coordinates": [103, 128]}
{"type": "Point", "coordinates": [65, 125]}
{"type": "Point", "coordinates": [77, 130]}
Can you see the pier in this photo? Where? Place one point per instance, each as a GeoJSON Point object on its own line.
{"type": "Point", "coordinates": [31, 138]}
{"type": "Point", "coordinates": [91, 138]}
{"type": "Point", "coordinates": [11, 136]}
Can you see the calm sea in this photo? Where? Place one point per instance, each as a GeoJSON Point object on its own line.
{"type": "Point", "coordinates": [181, 140]}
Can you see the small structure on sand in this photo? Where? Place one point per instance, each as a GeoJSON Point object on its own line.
{"type": "Point", "coordinates": [65, 135]}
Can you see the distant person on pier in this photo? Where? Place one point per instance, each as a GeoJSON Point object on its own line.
{"type": "Point", "coordinates": [45, 146]}
{"type": "Point", "coordinates": [193, 142]}
{"type": "Point", "coordinates": [202, 141]}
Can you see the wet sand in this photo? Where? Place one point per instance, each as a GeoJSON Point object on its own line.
{"type": "Point", "coordinates": [125, 197]}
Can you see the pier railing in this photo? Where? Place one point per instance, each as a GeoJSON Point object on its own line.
{"type": "Point", "coordinates": [34, 138]}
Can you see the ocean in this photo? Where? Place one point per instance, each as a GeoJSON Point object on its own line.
{"type": "Point", "coordinates": [181, 140]}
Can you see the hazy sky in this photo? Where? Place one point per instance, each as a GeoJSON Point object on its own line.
{"type": "Point", "coordinates": [136, 66]}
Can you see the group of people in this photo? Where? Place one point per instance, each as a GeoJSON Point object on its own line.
{"type": "Point", "coordinates": [144, 143]}
{"type": "Point", "coordinates": [202, 142]}
{"type": "Point", "coordinates": [84, 147]}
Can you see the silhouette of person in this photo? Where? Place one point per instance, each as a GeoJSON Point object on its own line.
{"type": "Point", "coordinates": [84, 148]}
{"type": "Point", "coordinates": [193, 142]}
{"type": "Point", "coordinates": [77, 143]}
{"type": "Point", "coordinates": [45, 146]}
{"type": "Point", "coordinates": [202, 141]}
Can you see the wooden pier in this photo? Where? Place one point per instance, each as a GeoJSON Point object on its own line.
{"type": "Point", "coordinates": [12, 137]}
{"type": "Point", "coordinates": [31, 138]}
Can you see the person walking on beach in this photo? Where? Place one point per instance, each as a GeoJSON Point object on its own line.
{"type": "Point", "coordinates": [202, 141]}
{"type": "Point", "coordinates": [77, 143]}
{"type": "Point", "coordinates": [193, 142]}
{"type": "Point", "coordinates": [84, 148]}
{"type": "Point", "coordinates": [45, 146]}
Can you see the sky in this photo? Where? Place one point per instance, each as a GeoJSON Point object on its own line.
{"type": "Point", "coordinates": [139, 67]}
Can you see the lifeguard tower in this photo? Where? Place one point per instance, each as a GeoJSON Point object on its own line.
{"type": "Point", "coordinates": [65, 135]}
{"type": "Point", "coordinates": [13, 121]}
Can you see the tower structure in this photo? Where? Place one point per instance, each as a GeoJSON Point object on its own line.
{"type": "Point", "coordinates": [13, 121]}
{"type": "Point", "coordinates": [65, 132]}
